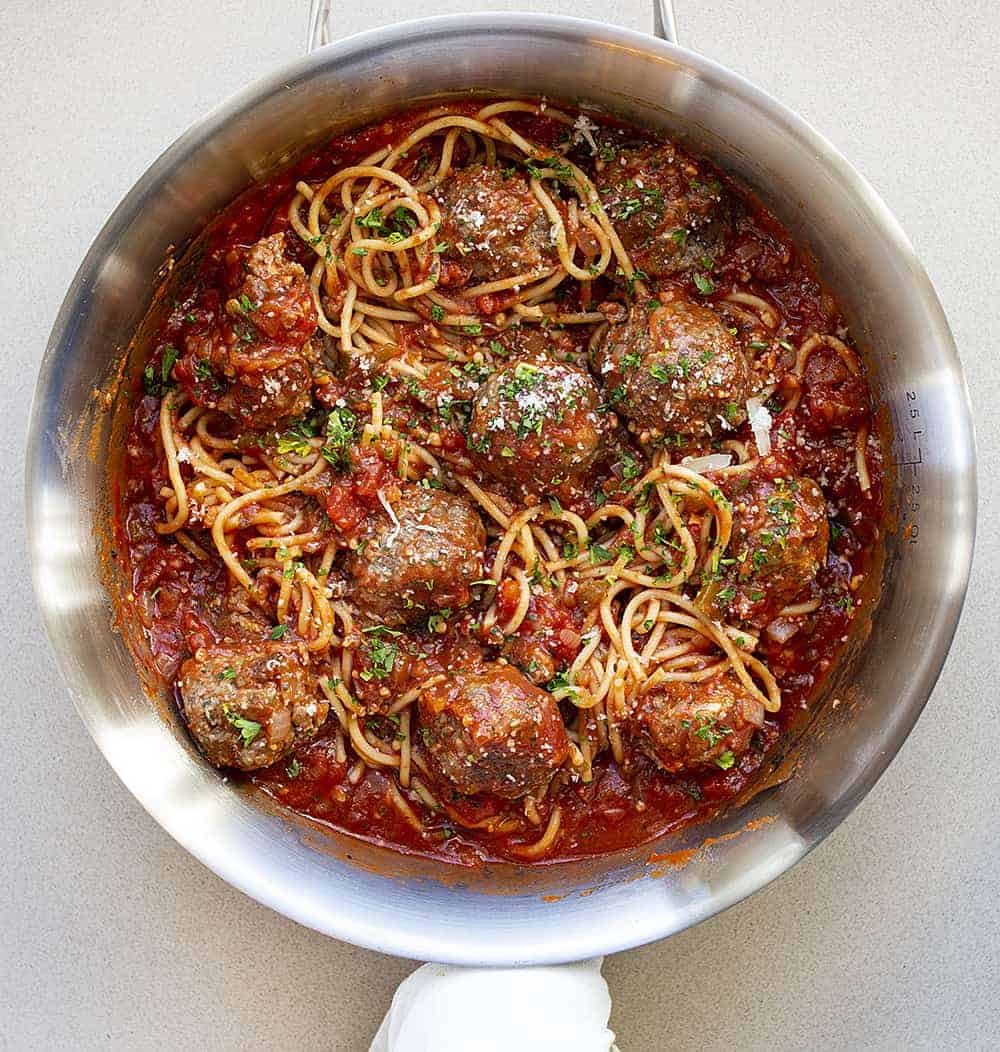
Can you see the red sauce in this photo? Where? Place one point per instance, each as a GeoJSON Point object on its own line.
{"type": "Point", "coordinates": [177, 594]}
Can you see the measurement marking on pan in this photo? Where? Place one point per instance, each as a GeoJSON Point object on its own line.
{"type": "Point", "coordinates": [910, 432]}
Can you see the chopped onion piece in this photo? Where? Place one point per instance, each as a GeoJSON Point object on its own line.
{"type": "Point", "coordinates": [712, 462]}
{"type": "Point", "coordinates": [760, 422]}
{"type": "Point", "coordinates": [781, 629]}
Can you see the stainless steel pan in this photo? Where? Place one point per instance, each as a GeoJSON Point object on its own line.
{"type": "Point", "coordinates": [373, 897]}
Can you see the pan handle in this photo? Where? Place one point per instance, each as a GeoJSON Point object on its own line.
{"type": "Point", "coordinates": [664, 22]}
{"type": "Point", "coordinates": [319, 24]}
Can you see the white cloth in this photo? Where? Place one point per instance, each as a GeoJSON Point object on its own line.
{"type": "Point", "coordinates": [440, 1008]}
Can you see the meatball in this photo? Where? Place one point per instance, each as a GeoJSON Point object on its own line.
{"type": "Point", "coordinates": [537, 423]}
{"type": "Point", "coordinates": [422, 561]}
{"type": "Point", "coordinates": [674, 367]}
{"type": "Point", "coordinates": [779, 542]}
{"type": "Point", "coordinates": [275, 293]}
{"type": "Point", "coordinates": [269, 388]}
{"type": "Point", "coordinates": [686, 726]}
{"type": "Point", "coordinates": [669, 219]}
{"type": "Point", "coordinates": [492, 227]}
{"type": "Point", "coordinates": [488, 730]}
{"type": "Point", "coordinates": [254, 360]}
{"type": "Point", "coordinates": [248, 704]}
{"type": "Point", "coordinates": [835, 397]}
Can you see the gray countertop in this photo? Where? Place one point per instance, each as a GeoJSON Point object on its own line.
{"type": "Point", "coordinates": [885, 937]}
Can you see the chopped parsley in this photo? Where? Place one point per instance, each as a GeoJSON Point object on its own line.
{"type": "Point", "coordinates": [660, 372]}
{"type": "Point", "coordinates": [203, 371]}
{"type": "Point", "coordinates": [631, 468]}
{"type": "Point", "coordinates": [341, 432]}
{"type": "Point", "coordinates": [560, 681]}
{"type": "Point", "coordinates": [616, 394]}
{"type": "Point", "coordinates": [383, 659]}
{"type": "Point", "coordinates": [381, 630]}
{"type": "Point", "coordinates": [709, 731]}
{"type": "Point", "coordinates": [157, 383]}
{"type": "Point", "coordinates": [704, 284]}
{"type": "Point", "coordinates": [249, 729]}
{"type": "Point", "coordinates": [636, 275]}
{"type": "Point", "coordinates": [647, 205]}
{"type": "Point", "coordinates": [556, 169]}
{"type": "Point", "coordinates": [290, 442]}
{"type": "Point", "coordinates": [373, 221]}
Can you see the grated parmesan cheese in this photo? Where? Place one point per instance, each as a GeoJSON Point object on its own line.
{"type": "Point", "coordinates": [583, 131]}
{"type": "Point", "coordinates": [711, 462]}
{"type": "Point", "coordinates": [397, 526]}
{"type": "Point", "coordinates": [760, 422]}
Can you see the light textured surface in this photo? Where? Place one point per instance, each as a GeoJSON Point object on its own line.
{"type": "Point", "coordinates": [885, 937]}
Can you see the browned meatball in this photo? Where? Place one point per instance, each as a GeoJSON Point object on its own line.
{"type": "Point", "coordinates": [687, 726]}
{"type": "Point", "coordinates": [423, 562]}
{"type": "Point", "coordinates": [674, 367]}
{"type": "Point", "coordinates": [779, 542]}
{"type": "Point", "coordinates": [269, 387]}
{"type": "Point", "coordinates": [275, 293]}
{"type": "Point", "coordinates": [669, 217]}
{"type": "Point", "coordinates": [537, 423]}
{"type": "Point", "coordinates": [248, 704]}
{"type": "Point", "coordinates": [254, 361]}
{"type": "Point", "coordinates": [834, 396]}
{"type": "Point", "coordinates": [489, 730]}
{"type": "Point", "coordinates": [493, 227]}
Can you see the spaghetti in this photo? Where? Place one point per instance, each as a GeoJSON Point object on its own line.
{"type": "Point", "coordinates": [613, 588]}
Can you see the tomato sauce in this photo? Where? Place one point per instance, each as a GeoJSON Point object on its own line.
{"type": "Point", "coordinates": [177, 594]}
